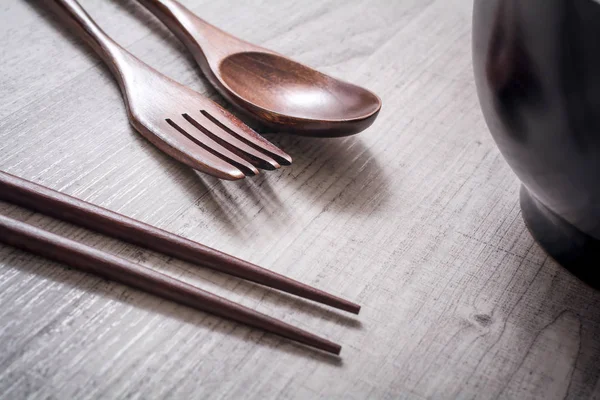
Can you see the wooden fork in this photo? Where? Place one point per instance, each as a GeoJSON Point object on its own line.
{"type": "Point", "coordinates": [176, 119]}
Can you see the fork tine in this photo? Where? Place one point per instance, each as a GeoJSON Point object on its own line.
{"type": "Point", "coordinates": [207, 143]}
{"type": "Point", "coordinates": [238, 129]}
{"type": "Point", "coordinates": [186, 151]}
{"type": "Point", "coordinates": [232, 143]}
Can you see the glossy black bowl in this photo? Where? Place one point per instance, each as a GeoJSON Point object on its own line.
{"type": "Point", "coordinates": [537, 69]}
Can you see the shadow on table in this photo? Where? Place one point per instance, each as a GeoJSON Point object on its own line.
{"type": "Point", "coordinates": [345, 162]}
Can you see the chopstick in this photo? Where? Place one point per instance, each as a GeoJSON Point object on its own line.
{"type": "Point", "coordinates": [64, 207]}
{"type": "Point", "coordinates": [30, 238]}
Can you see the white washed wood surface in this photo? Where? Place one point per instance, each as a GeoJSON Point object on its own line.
{"type": "Point", "coordinates": [416, 218]}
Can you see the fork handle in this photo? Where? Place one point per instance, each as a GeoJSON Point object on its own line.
{"type": "Point", "coordinates": [73, 15]}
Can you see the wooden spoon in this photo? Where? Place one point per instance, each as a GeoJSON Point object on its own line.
{"type": "Point", "coordinates": [272, 90]}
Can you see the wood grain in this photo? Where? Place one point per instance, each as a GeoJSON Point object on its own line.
{"type": "Point", "coordinates": [416, 218]}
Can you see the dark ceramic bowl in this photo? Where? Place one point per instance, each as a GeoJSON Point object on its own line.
{"type": "Point", "coordinates": [537, 69]}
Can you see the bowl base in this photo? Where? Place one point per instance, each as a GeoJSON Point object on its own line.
{"type": "Point", "coordinates": [576, 251]}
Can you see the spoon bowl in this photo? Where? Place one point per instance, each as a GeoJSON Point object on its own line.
{"type": "Point", "coordinates": [272, 91]}
{"type": "Point", "coordinates": [293, 97]}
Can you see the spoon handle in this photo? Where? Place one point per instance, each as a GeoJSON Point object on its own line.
{"type": "Point", "coordinates": [207, 43]}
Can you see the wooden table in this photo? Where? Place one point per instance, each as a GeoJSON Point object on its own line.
{"type": "Point", "coordinates": [416, 218]}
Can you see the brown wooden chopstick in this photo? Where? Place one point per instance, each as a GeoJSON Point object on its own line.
{"type": "Point", "coordinates": [27, 237]}
{"type": "Point", "coordinates": [67, 208]}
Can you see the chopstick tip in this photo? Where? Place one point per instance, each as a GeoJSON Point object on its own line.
{"type": "Point", "coordinates": [350, 307]}
{"type": "Point", "coordinates": [339, 350]}
{"type": "Point", "coordinates": [335, 349]}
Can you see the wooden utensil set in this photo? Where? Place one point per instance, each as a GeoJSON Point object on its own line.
{"type": "Point", "coordinates": [269, 89]}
